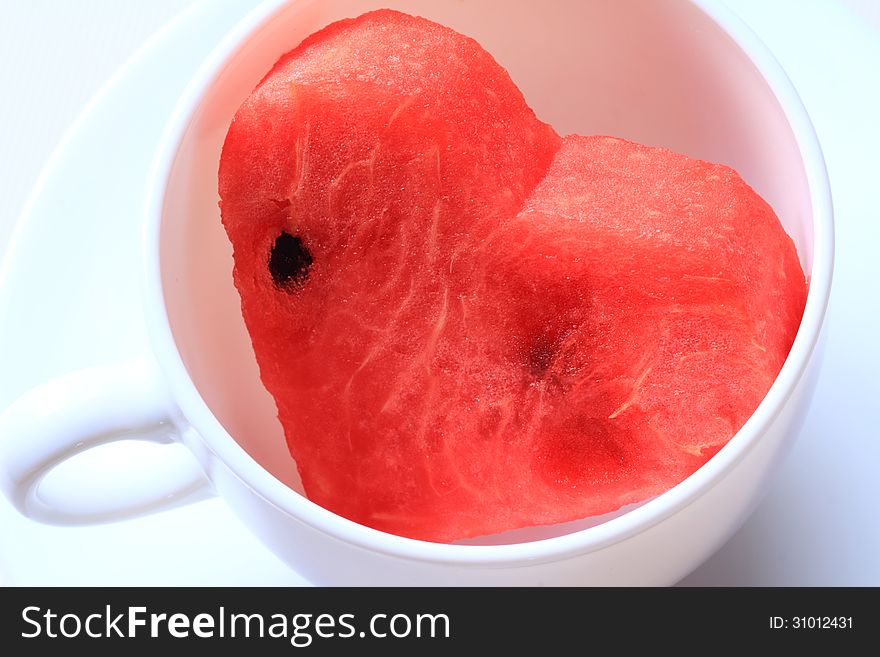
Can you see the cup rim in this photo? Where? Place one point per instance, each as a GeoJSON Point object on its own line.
{"type": "Point", "coordinates": [295, 505]}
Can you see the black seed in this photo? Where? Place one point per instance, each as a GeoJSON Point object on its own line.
{"type": "Point", "coordinates": [289, 261]}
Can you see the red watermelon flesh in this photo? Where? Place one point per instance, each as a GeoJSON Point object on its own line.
{"type": "Point", "coordinates": [469, 324]}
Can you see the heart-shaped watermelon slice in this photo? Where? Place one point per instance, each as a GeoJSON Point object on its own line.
{"type": "Point", "coordinates": [470, 324]}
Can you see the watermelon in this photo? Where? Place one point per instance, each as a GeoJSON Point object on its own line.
{"type": "Point", "coordinates": [470, 324]}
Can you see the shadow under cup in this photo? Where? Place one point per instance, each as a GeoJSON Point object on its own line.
{"type": "Point", "coordinates": [664, 74]}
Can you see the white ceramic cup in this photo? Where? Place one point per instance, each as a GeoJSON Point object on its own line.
{"type": "Point", "coordinates": [685, 75]}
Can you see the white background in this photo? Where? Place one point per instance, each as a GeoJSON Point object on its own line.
{"type": "Point", "coordinates": [820, 522]}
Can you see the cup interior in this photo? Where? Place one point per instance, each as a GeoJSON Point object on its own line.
{"type": "Point", "coordinates": [663, 74]}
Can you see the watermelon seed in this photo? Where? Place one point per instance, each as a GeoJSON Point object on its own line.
{"type": "Point", "coordinates": [289, 261]}
{"type": "Point", "coordinates": [281, 203]}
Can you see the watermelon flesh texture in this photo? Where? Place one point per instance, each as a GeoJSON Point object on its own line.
{"type": "Point", "coordinates": [470, 324]}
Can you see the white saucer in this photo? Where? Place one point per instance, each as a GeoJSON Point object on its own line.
{"type": "Point", "coordinates": [69, 299]}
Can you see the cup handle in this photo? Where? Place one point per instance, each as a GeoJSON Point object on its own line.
{"type": "Point", "coordinates": [81, 410]}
